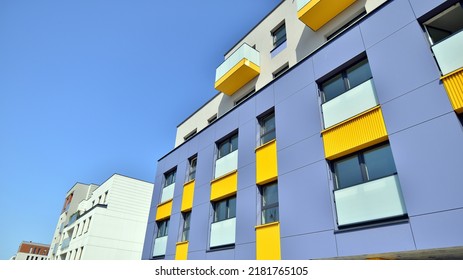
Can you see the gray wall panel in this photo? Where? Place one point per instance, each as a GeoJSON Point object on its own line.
{"type": "Point", "coordinates": [246, 210]}
{"type": "Point", "coordinates": [292, 82]}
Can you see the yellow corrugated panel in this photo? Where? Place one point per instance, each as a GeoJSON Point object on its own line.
{"type": "Point", "coordinates": [317, 13]}
{"type": "Point", "coordinates": [224, 186]}
{"type": "Point", "coordinates": [354, 134]}
{"type": "Point", "coordinates": [181, 250]}
{"type": "Point", "coordinates": [266, 163]}
{"type": "Point", "coordinates": [240, 74]}
{"type": "Point", "coordinates": [453, 83]}
{"type": "Point", "coordinates": [187, 197]}
{"type": "Point", "coordinates": [164, 210]}
{"type": "Point", "coordinates": [268, 242]}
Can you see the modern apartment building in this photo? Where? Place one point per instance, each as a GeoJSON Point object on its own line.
{"type": "Point", "coordinates": [336, 134]}
{"type": "Point", "coordinates": [29, 250]}
{"type": "Point", "coordinates": [106, 222]}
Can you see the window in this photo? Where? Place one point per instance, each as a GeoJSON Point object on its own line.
{"type": "Point", "coordinates": [88, 226]}
{"type": "Point", "coordinates": [244, 97]}
{"type": "Point", "coordinates": [27, 258]}
{"type": "Point", "coordinates": [225, 209]}
{"type": "Point", "coordinates": [280, 70]}
{"type": "Point", "coordinates": [163, 228]}
{"type": "Point", "coordinates": [445, 24]}
{"type": "Point", "coordinates": [267, 128]}
{"type": "Point", "coordinates": [279, 35]}
{"type": "Point", "coordinates": [186, 226]}
{"type": "Point", "coordinates": [192, 168]}
{"type": "Point", "coordinates": [346, 80]}
{"type": "Point", "coordinates": [169, 178]}
{"type": "Point", "coordinates": [190, 135]}
{"type": "Point", "coordinates": [269, 203]}
{"type": "Point", "coordinates": [212, 119]}
{"type": "Point", "coordinates": [364, 166]}
{"type": "Point", "coordinates": [228, 145]}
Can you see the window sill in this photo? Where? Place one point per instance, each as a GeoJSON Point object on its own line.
{"type": "Point", "coordinates": [373, 224]}
{"type": "Point", "coordinates": [221, 248]}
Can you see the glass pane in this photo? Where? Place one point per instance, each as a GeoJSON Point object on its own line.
{"type": "Point", "coordinates": [185, 235]}
{"type": "Point", "coordinates": [333, 87]}
{"type": "Point", "coordinates": [270, 195]}
{"type": "Point", "coordinates": [348, 172]}
{"type": "Point", "coordinates": [234, 143]}
{"type": "Point", "coordinates": [270, 215]}
{"type": "Point", "coordinates": [268, 124]}
{"type": "Point", "coordinates": [224, 149]}
{"type": "Point", "coordinates": [268, 137]}
{"type": "Point", "coordinates": [279, 36]}
{"type": "Point", "coordinates": [220, 211]}
{"type": "Point", "coordinates": [192, 173]}
{"type": "Point", "coordinates": [186, 222]}
{"type": "Point", "coordinates": [232, 207]}
{"type": "Point", "coordinates": [358, 74]}
{"type": "Point", "coordinates": [379, 163]}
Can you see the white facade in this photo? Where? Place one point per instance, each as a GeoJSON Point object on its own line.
{"type": "Point", "coordinates": [301, 41]}
{"type": "Point", "coordinates": [110, 223]}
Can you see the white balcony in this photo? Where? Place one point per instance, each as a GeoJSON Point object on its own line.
{"type": "Point", "coordinates": [370, 201]}
{"type": "Point", "coordinates": [167, 192]}
{"type": "Point", "coordinates": [226, 164]}
{"type": "Point", "coordinates": [448, 53]}
{"type": "Point", "coordinates": [160, 245]}
{"type": "Point", "coordinates": [223, 232]}
{"type": "Point", "coordinates": [349, 104]}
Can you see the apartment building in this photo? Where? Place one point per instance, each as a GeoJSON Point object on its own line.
{"type": "Point", "coordinates": [336, 134]}
{"type": "Point", "coordinates": [29, 250]}
{"type": "Point", "coordinates": [106, 222]}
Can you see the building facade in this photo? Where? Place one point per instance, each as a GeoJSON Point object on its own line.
{"type": "Point", "coordinates": [29, 250]}
{"type": "Point", "coordinates": [336, 133]}
{"type": "Point", "coordinates": [106, 222]}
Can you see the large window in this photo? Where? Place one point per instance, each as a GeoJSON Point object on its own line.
{"type": "Point", "coordinates": [267, 128]}
{"type": "Point", "coordinates": [192, 168]}
{"type": "Point", "coordinates": [163, 228]}
{"type": "Point", "coordinates": [346, 80]}
{"type": "Point", "coordinates": [279, 35]}
{"type": "Point", "coordinates": [269, 203]}
{"type": "Point", "coordinates": [225, 209]}
{"type": "Point", "coordinates": [364, 166]}
{"type": "Point", "coordinates": [228, 145]}
{"type": "Point", "coordinates": [186, 226]}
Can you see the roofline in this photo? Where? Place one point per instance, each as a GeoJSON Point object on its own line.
{"type": "Point", "coordinates": [35, 243]}
{"type": "Point", "coordinates": [202, 106]}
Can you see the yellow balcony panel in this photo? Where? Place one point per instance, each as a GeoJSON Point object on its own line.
{"type": "Point", "coordinates": [242, 73]}
{"type": "Point", "coordinates": [187, 198]}
{"type": "Point", "coordinates": [224, 186]}
{"type": "Point", "coordinates": [268, 242]}
{"type": "Point", "coordinates": [453, 84]}
{"type": "Point", "coordinates": [164, 210]}
{"type": "Point", "coordinates": [354, 134]}
{"type": "Point", "coordinates": [181, 250]}
{"type": "Point", "coordinates": [266, 163]}
{"type": "Point", "coordinates": [316, 13]}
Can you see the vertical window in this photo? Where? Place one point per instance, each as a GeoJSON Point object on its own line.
{"type": "Point", "coordinates": [228, 145]}
{"type": "Point", "coordinates": [27, 258]}
{"type": "Point", "coordinates": [186, 226]}
{"type": "Point", "coordinates": [225, 209]}
{"type": "Point", "coordinates": [346, 80]}
{"type": "Point", "coordinates": [105, 197]}
{"type": "Point", "coordinates": [270, 203]}
{"type": "Point", "coordinates": [81, 250]}
{"type": "Point", "coordinates": [279, 35]}
{"type": "Point", "coordinates": [83, 226]}
{"type": "Point", "coordinates": [169, 178]}
{"type": "Point", "coordinates": [267, 128]}
{"type": "Point", "coordinates": [163, 228]}
{"type": "Point", "coordinates": [192, 168]}
{"type": "Point", "coordinates": [77, 230]}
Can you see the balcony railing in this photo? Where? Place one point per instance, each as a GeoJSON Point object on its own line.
{"type": "Point", "coordinates": [65, 243]}
{"type": "Point", "coordinates": [351, 103]}
{"type": "Point", "coordinates": [223, 233]}
{"type": "Point", "coordinates": [226, 164]}
{"type": "Point", "coordinates": [167, 192]}
{"type": "Point", "coordinates": [160, 245]}
{"type": "Point", "coordinates": [448, 53]}
{"type": "Point", "coordinates": [370, 201]}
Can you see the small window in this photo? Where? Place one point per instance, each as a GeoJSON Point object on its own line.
{"type": "Point", "coordinates": [212, 119]}
{"type": "Point", "coordinates": [225, 209]}
{"type": "Point", "coordinates": [228, 146]}
{"type": "Point", "coordinates": [244, 97]}
{"type": "Point", "coordinates": [279, 35]}
{"type": "Point", "coordinates": [280, 70]}
{"type": "Point", "coordinates": [27, 258]}
{"type": "Point", "coordinates": [364, 166]}
{"type": "Point", "coordinates": [169, 178]}
{"type": "Point", "coordinates": [347, 25]}
{"type": "Point", "coordinates": [269, 203]}
{"type": "Point", "coordinates": [192, 168]}
{"type": "Point", "coordinates": [190, 135]}
{"type": "Point", "coordinates": [346, 80]}
{"type": "Point", "coordinates": [267, 128]}
{"type": "Point", "coordinates": [186, 226]}
{"type": "Point", "coordinates": [163, 228]}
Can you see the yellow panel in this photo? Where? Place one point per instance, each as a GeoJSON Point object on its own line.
{"type": "Point", "coordinates": [453, 83]}
{"type": "Point", "coordinates": [268, 242]}
{"type": "Point", "coordinates": [181, 251]}
{"type": "Point", "coordinates": [243, 72]}
{"type": "Point", "coordinates": [266, 163]}
{"type": "Point", "coordinates": [187, 198]}
{"type": "Point", "coordinates": [317, 13]}
{"type": "Point", "coordinates": [224, 186]}
{"type": "Point", "coordinates": [354, 134]}
{"type": "Point", "coordinates": [164, 210]}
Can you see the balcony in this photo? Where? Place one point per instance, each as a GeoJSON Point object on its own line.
{"type": "Point", "coordinates": [223, 233]}
{"type": "Point", "coordinates": [237, 70]}
{"type": "Point", "coordinates": [226, 164]}
{"type": "Point", "coordinates": [160, 245]}
{"type": "Point", "coordinates": [167, 193]}
{"type": "Point", "coordinates": [448, 53]}
{"type": "Point", "coordinates": [370, 201]}
{"type": "Point", "coordinates": [65, 243]}
{"type": "Point", "coordinates": [316, 13]}
{"type": "Point", "coordinates": [349, 104]}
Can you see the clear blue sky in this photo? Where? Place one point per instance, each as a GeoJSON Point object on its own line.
{"type": "Point", "coordinates": [90, 88]}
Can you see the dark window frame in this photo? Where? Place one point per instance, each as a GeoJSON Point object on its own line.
{"type": "Point", "coordinates": [268, 206]}
{"type": "Point", "coordinates": [167, 180]}
{"type": "Point", "coordinates": [227, 141]}
{"type": "Point", "coordinates": [163, 228]}
{"type": "Point", "coordinates": [186, 226]}
{"type": "Point", "coordinates": [277, 38]}
{"type": "Point", "coordinates": [192, 163]}
{"type": "Point", "coordinates": [229, 214]}
{"type": "Point", "coordinates": [262, 120]}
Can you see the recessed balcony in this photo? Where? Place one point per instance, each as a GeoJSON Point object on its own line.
{"type": "Point", "coordinates": [316, 13]}
{"type": "Point", "coordinates": [237, 70]}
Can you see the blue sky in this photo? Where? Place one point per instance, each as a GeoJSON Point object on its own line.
{"type": "Point", "coordinates": [90, 88]}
